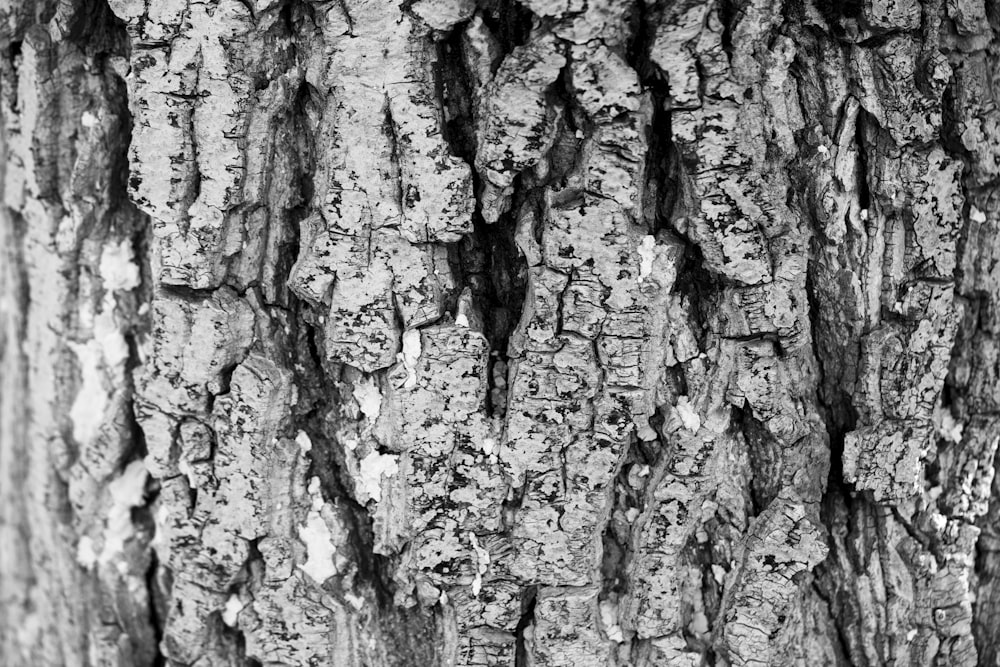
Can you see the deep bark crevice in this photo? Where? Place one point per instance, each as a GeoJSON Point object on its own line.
{"type": "Point", "coordinates": [510, 21]}
{"type": "Point", "coordinates": [861, 142]}
{"type": "Point", "coordinates": [320, 397]}
{"type": "Point", "coordinates": [487, 261]}
{"type": "Point", "coordinates": [157, 607]}
{"type": "Point", "coordinates": [524, 624]}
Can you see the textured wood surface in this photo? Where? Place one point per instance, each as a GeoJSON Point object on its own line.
{"type": "Point", "coordinates": [540, 333]}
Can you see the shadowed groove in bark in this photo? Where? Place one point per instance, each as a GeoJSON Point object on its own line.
{"type": "Point", "coordinates": [864, 192]}
{"type": "Point", "coordinates": [321, 399]}
{"type": "Point", "coordinates": [529, 597]}
{"type": "Point", "coordinates": [157, 608]}
{"type": "Point", "coordinates": [487, 261]}
{"type": "Point", "coordinates": [510, 21]}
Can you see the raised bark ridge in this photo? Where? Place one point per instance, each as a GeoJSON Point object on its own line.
{"type": "Point", "coordinates": [538, 333]}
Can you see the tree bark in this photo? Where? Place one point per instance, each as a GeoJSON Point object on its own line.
{"type": "Point", "coordinates": [538, 333]}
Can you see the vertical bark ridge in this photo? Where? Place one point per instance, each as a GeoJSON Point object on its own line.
{"type": "Point", "coordinates": [73, 578]}
{"type": "Point", "coordinates": [966, 463]}
{"type": "Point", "coordinates": [903, 538]}
{"type": "Point", "coordinates": [743, 412]}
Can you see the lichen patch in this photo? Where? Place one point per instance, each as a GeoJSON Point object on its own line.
{"type": "Point", "coordinates": [128, 490]}
{"type": "Point", "coordinates": [316, 535]}
{"type": "Point", "coordinates": [372, 468]}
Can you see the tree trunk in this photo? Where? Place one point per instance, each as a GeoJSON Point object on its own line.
{"type": "Point", "coordinates": [439, 332]}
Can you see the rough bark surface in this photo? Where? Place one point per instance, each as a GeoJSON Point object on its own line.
{"type": "Point", "coordinates": [475, 333]}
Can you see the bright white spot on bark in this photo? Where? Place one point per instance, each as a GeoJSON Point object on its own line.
{"type": "Point", "coordinates": [351, 443]}
{"type": "Point", "coordinates": [91, 401]}
{"type": "Point", "coordinates": [143, 309]}
{"type": "Point", "coordinates": [644, 471]}
{"type": "Point", "coordinates": [369, 398]}
{"type": "Point", "coordinates": [411, 353]}
{"type": "Point", "coordinates": [160, 536]}
{"type": "Point", "coordinates": [645, 432]}
{"type": "Point", "coordinates": [719, 573]}
{"type": "Point", "coordinates": [85, 554]}
{"type": "Point", "coordinates": [699, 623]}
{"type": "Point", "coordinates": [442, 15]}
{"type": "Point", "coordinates": [864, 214]}
{"type": "Point", "coordinates": [609, 619]}
{"type": "Point", "coordinates": [465, 308]}
{"type": "Point", "coordinates": [976, 215]}
{"type": "Point", "coordinates": [355, 601]}
{"type": "Point", "coordinates": [316, 535]}
{"type": "Point", "coordinates": [127, 491]}
{"type": "Point", "coordinates": [232, 610]}
{"type": "Point", "coordinates": [185, 469]}
{"type": "Point", "coordinates": [88, 120]}
{"type": "Point", "coordinates": [106, 350]}
{"type": "Point", "coordinates": [305, 444]}
{"type": "Point", "coordinates": [373, 467]}
{"type": "Point", "coordinates": [910, 635]}
{"type": "Point", "coordinates": [118, 270]}
{"type": "Point", "coordinates": [631, 514]}
{"type": "Point", "coordinates": [689, 417]}
{"type": "Point", "coordinates": [947, 427]}
{"type": "Point", "coordinates": [483, 558]}
{"type": "Point", "coordinates": [823, 150]}
{"type": "Point", "coordinates": [315, 494]}
{"type": "Point", "coordinates": [646, 256]}
{"type": "Point", "coordinates": [489, 445]}
{"type": "Point", "coordinates": [112, 342]}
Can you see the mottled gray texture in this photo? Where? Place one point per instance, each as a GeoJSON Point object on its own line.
{"type": "Point", "coordinates": [541, 333]}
